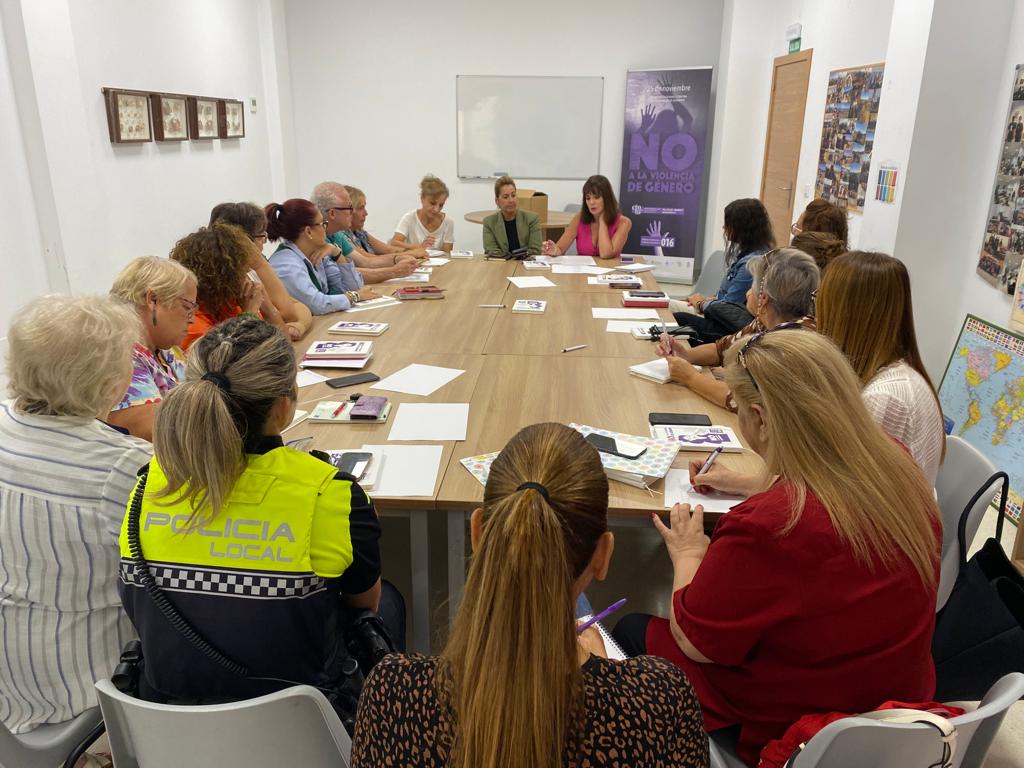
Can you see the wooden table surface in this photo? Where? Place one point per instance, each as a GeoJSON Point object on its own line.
{"type": "Point", "coordinates": [515, 373]}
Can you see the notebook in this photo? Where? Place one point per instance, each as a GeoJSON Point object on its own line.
{"type": "Point", "coordinates": [699, 438]}
{"type": "Point", "coordinates": [461, 254]}
{"type": "Point", "coordinates": [378, 303]}
{"type": "Point", "coordinates": [338, 350]}
{"type": "Point", "coordinates": [355, 362]}
{"type": "Point", "coordinates": [324, 412]}
{"type": "Point", "coordinates": [641, 471]}
{"type": "Point", "coordinates": [358, 329]}
{"type": "Point", "coordinates": [529, 306]}
{"type": "Point", "coordinates": [611, 649]}
{"type": "Point", "coordinates": [655, 370]}
{"type": "Point", "coordinates": [480, 466]}
{"type": "Point", "coordinates": [635, 268]}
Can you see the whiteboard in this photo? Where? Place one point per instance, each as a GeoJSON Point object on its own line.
{"type": "Point", "coordinates": [528, 127]}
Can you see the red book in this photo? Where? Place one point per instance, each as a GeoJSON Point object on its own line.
{"type": "Point", "coordinates": [419, 292]}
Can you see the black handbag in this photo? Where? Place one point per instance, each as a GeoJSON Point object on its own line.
{"type": "Point", "coordinates": [979, 633]}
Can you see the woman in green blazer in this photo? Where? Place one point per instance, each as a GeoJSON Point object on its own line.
{"type": "Point", "coordinates": [510, 228]}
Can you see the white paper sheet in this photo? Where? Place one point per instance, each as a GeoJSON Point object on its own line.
{"type": "Point", "coordinates": [307, 378]}
{"type": "Point", "coordinates": [383, 301]}
{"type": "Point", "coordinates": [569, 269]}
{"type": "Point", "coordinates": [409, 470]}
{"type": "Point", "coordinates": [627, 326]}
{"type": "Point", "coordinates": [578, 261]}
{"type": "Point", "coordinates": [436, 252]}
{"type": "Point", "coordinates": [435, 261]}
{"type": "Point", "coordinates": [626, 313]}
{"type": "Point", "coordinates": [679, 491]}
{"type": "Point", "coordinates": [531, 282]}
{"type": "Point", "coordinates": [430, 421]}
{"type": "Point", "coordinates": [415, 277]}
{"type": "Point", "coordinates": [417, 379]}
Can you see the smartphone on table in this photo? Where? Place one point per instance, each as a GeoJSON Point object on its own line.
{"type": "Point", "coordinates": [349, 381]}
{"type": "Point", "coordinates": [615, 447]}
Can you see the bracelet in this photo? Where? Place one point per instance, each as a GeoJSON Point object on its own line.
{"type": "Point", "coordinates": [394, 259]}
{"type": "Point", "coordinates": [353, 297]}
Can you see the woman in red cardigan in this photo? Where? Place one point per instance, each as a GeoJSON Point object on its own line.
{"type": "Point", "coordinates": [817, 593]}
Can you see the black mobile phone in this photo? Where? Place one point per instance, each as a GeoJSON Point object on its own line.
{"type": "Point", "coordinates": [648, 294]}
{"type": "Point", "coordinates": [680, 419]}
{"type": "Point", "coordinates": [348, 381]}
{"type": "Point", "coordinates": [607, 444]}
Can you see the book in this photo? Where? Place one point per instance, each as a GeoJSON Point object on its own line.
{"type": "Point", "coordinates": [654, 299]}
{"type": "Point", "coordinates": [635, 268]}
{"type": "Point", "coordinates": [318, 362]}
{"type": "Point", "coordinates": [480, 466]}
{"type": "Point", "coordinates": [419, 292]}
{"type": "Point", "coordinates": [536, 265]}
{"type": "Point", "coordinates": [644, 331]}
{"type": "Point", "coordinates": [529, 306]}
{"type": "Point", "coordinates": [614, 279]}
{"type": "Point", "coordinates": [648, 468]}
{"type": "Point", "coordinates": [324, 413]}
{"type": "Point", "coordinates": [358, 329]}
{"type": "Point", "coordinates": [699, 438]}
{"type": "Point", "coordinates": [655, 370]}
{"type": "Point", "coordinates": [461, 254]}
{"type": "Point", "coordinates": [366, 473]}
{"type": "Point", "coordinates": [612, 649]}
{"type": "Point", "coordinates": [423, 270]}
{"type": "Point", "coordinates": [378, 303]}
{"type": "Point", "coordinates": [413, 278]}
{"type": "Point", "coordinates": [339, 350]}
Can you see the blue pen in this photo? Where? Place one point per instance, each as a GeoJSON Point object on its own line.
{"type": "Point", "coordinates": [606, 612]}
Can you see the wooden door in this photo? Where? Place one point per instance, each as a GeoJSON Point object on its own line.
{"type": "Point", "coordinates": [782, 143]}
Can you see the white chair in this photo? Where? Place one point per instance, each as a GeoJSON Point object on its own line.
{"type": "Point", "coordinates": [854, 742]}
{"type": "Point", "coordinates": [963, 471]}
{"type": "Point", "coordinates": [711, 273]}
{"type": "Point", "coordinates": [48, 745]}
{"type": "Point", "coordinates": [296, 726]}
{"type": "Point", "coordinates": [572, 208]}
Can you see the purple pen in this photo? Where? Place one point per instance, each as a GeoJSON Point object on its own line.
{"type": "Point", "coordinates": [606, 612]}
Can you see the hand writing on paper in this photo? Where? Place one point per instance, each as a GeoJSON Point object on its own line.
{"type": "Point", "coordinates": [366, 292]}
{"type": "Point", "coordinates": [685, 538]}
{"type": "Point", "coordinates": [680, 371]}
{"type": "Point", "coordinates": [549, 248]}
{"type": "Point", "coordinates": [646, 118]}
{"type": "Point", "coordinates": [718, 478]}
{"type": "Point", "coordinates": [669, 346]}
{"type": "Point", "coordinates": [428, 241]}
{"type": "Point", "coordinates": [590, 639]}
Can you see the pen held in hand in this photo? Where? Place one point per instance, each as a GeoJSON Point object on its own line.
{"type": "Point", "coordinates": [573, 349]}
{"type": "Point", "coordinates": [711, 460]}
{"type": "Point", "coordinates": [596, 618]}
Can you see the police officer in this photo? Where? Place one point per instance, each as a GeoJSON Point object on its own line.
{"type": "Point", "coordinates": [259, 547]}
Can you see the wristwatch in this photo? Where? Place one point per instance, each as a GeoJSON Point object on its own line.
{"type": "Point", "coordinates": [353, 297]}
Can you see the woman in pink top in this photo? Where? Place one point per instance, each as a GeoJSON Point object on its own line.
{"type": "Point", "coordinates": [599, 229]}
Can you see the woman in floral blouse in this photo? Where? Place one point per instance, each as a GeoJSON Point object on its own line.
{"type": "Point", "coordinates": [163, 292]}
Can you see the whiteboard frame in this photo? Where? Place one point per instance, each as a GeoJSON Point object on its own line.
{"type": "Point", "coordinates": [600, 127]}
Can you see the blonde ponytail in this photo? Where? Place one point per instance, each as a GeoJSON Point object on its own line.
{"type": "Point", "coordinates": [204, 427]}
{"type": "Point", "coordinates": [510, 672]}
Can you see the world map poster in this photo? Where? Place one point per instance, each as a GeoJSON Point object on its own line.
{"type": "Point", "coordinates": [982, 393]}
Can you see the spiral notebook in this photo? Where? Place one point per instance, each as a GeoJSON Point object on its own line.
{"type": "Point", "coordinates": [612, 649]}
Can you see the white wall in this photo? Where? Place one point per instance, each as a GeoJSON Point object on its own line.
{"type": "Point", "coordinates": [957, 139]}
{"type": "Point", "coordinates": [373, 84]}
{"type": "Point", "coordinates": [843, 33]}
{"type": "Point", "coordinates": [115, 202]}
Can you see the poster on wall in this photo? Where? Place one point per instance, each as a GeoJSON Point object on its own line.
{"type": "Point", "coordinates": [663, 161]}
{"type": "Point", "coordinates": [1017, 313]}
{"type": "Point", "coordinates": [1002, 245]}
{"type": "Point", "coordinates": [848, 135]}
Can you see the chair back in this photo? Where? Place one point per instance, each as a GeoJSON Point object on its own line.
{"type": "Point", "coordinates": [296, 726]}
{"type": "Point", "coordinates": [976, 730]}
{"type": "Point", "coordinates": [573, 208]}
{"type": "Point", "coordinates": [855, 742]}
{"type": "Point", "coordinates": [963, 472]}
{"type": "Point", "coordinates": [711, 273]}
{"type": "Point", "coordinates": [46, 746]}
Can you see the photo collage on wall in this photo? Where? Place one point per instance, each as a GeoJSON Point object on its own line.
{"type": "Point", "coordinates": [847, 136]}
{"type": "Point", "coordinates": [1002, 246]}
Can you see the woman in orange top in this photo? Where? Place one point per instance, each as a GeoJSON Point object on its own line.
{"type": "Point", "coordinates": [219, 257]}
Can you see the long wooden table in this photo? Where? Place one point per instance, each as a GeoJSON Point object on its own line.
{"type": "Point", "coordinates": [515, 375]}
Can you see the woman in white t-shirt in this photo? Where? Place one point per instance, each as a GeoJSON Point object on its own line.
{"type": "Point", "coordinates": [864, 306]}
{"type": "Point", "coordinates": [427, 226]}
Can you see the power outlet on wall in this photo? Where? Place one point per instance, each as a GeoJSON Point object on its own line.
{"type": "Point", "coordinates": [252, 105]}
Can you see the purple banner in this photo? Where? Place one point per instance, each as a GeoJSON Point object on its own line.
{"type": "Point", "coordinates": [663, 156]}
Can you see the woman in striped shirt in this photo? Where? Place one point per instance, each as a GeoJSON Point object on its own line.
{"type": "Point", "coordinates": [65, 478]}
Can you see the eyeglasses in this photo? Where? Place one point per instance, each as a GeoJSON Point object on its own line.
{"type": "Point", "coordinates": [341, 208]}
{"type": "Point", "coordinates": [316, 224]}
{"type": "Point", "coordinates": [259, 238]}
{"type": "Point", "coordinates": [742, 354]}
{"type": "Point", "coordinates": [190, 307]}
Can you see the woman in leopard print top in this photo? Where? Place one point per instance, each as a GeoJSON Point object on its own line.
{"type": "Point", "coordinates": [516, 686]}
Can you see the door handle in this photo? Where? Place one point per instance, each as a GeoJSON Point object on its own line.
{"type": "Point", "coordinates": [785, 189]}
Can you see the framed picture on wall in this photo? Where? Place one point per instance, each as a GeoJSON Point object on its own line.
{"type": "Point", "coordinates": [128, 116]}
{"type": "Point", "coordinates": [230, 119]}
{"type": "Point", "coordinates": [202, 118]}
{"type": "Point", "coordinates": [169, 116]}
